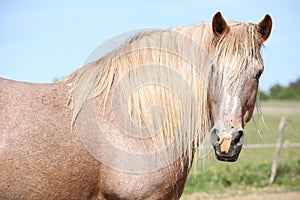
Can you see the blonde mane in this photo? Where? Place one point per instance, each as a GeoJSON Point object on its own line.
{"type": "Point", "coordinates": [142, 71]}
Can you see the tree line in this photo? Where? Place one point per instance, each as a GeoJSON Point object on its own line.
{"type": "Point", "coordinates": [290, 92]}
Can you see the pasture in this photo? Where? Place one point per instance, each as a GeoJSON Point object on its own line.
{"type": "Point", "coordinates": [252, 170]}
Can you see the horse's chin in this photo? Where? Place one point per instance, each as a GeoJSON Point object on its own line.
{"type": "Point", "coordinates": [231, 156]}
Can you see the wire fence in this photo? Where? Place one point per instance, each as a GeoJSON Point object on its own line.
{"type": "Point", "coordinates": [285, 144]}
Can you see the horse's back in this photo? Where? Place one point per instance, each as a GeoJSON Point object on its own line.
{"type": "Point", "coordinates": [40, 158]}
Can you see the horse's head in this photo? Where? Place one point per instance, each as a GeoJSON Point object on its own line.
{"type": "Point", "coordinates": [234, 83]}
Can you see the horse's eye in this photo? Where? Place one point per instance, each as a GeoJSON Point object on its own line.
{"type": "Point", "coordinates": [258, 74]}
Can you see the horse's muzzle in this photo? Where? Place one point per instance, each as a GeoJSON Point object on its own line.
{"type": "Point", "coordinates": [227, 148]}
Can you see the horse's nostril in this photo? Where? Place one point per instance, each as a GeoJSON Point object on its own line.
{"type": "Point", "coordinates": [214, 137]}
{"type": "Point", "coordinates": [238, 136]}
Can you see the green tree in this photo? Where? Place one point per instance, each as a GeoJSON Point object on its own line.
{"type": "Point", "coordinates": [275, 91]}
{"type": "Point", "coordinates": [263, 95]}
{"type": "Point", "coordinates": [290, 92]}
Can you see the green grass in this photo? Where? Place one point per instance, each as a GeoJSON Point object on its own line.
{"type": "Point", "coordinates": [254, 165]}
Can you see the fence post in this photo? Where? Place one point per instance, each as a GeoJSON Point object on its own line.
{"type": "Point", "coordinates": [281, 127]}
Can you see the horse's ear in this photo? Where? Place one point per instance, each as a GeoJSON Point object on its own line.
{"type": "Point", "coordinates": [219, 25]}
{"type": "Point", "coordinates": [265, 27]}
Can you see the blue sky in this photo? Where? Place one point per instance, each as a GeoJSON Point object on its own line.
{"type": "Point", "coordinates": [43, 40]}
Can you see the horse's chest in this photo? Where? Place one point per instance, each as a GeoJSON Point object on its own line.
{"type": "Point", "coordinates": [160, 184]}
